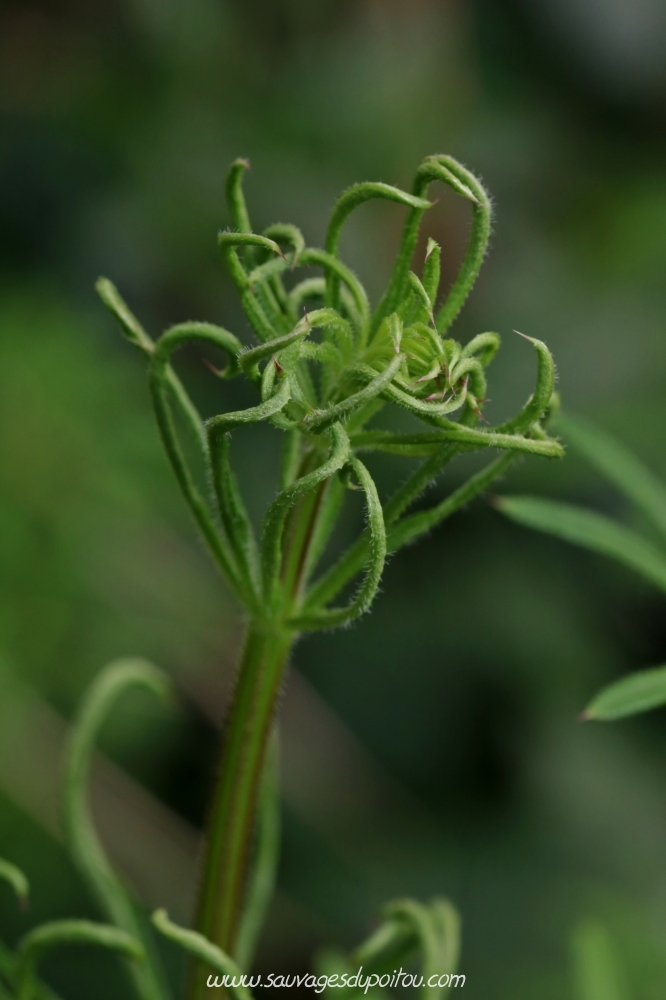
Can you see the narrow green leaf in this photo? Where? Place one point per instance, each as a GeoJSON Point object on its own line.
{"type": "Point", "coordinates": [469, 187]}
{"type": "Point", "coordinates": [235, 197]}
{"type": "Point", "coordinates": [317, 319]}
{"type": "Point", "coordinates": [259, 309]}
{"type": "Point", "coordinates": [130, 325]}
{"type": "Point", "coordinates": [387, 441]}
{"type": "Point", "coordinates": [620, 465]}
{"type": "Point", "coordinates": [639, 692]}
{"type": "Point", "coordinates": [159, 383]}
{"type": "Point", "coordinates": [421, 294]}
{"type": "Point", "coordinates": [227, 239]}
{"type": "Point", "coordinates": [136, 334]}
{"type": "Point", "coordinates": [431, 270]}
{"type": "Point", "coordinates": [235, 520]}
{"type": "Point", "coordinates": [224, 422]}
{"type": "Point", "coordinates": [590, 530]}
{"type": "Point", "coordinates": [427, 411]}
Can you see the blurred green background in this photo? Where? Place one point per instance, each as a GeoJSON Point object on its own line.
{"type": "Point", "coordinates": [434, 747]}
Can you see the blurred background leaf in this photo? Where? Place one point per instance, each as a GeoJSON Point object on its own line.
{"type": "Point", "coordinates": [433, 749]}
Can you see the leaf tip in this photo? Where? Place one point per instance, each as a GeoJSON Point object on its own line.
{"type": "Point", "coordinates": [525, 337]}
{"type": "Point", "coordinates": [106, 290]}
{"type": "Point", "coordinates": [159, 916]}
{"type": "Point", "coordinates": [242, 161]}
{"type": "Point", "coordinates": [432, 245]}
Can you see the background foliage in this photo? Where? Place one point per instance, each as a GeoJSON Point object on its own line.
{"type": "Point", "coordinates": [434, 747]}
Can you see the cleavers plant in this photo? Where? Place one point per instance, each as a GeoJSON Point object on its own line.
{"type": "Point", "coordinates": [324, 363]}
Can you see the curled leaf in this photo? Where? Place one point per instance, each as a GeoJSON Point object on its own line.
{"type": "Point", "coordinates": [538, 403]}
{"type": "Point", "coordinates": [334, 617]}
{"type": "Point", "coordinates": [351, 199]}
{"type": "Point", "coordinates": [228, 240]}
{"type": "Point", "coordinates": [68, 932]}
{"type": "Point", "coordinates": [82, 839]}
{"type": "Point", "coordinates": [288, 234]}
{"type": "Point", "coordinates": [16, 879]}
{"type": "Point", "coordinates": [198, 946]}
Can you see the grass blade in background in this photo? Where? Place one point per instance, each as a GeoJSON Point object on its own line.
{"type": "Point", "coordinates": [590, 530]}
{"type": "Point", "coordinates": [624, 469]}
{"type": "Point", "coordinates": [639, 692]}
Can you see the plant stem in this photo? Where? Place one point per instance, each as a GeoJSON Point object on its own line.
{"type": "Point", "coordinates": [234, 804]}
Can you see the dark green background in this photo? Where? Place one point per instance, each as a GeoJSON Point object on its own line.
{"type": "Point", "coordinates": [117, 123]}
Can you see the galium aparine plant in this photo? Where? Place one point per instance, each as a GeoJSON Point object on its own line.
{"type": "Point", "coordinates": [323, 364]}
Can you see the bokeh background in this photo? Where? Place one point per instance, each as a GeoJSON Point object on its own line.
{"type": "Point", "coordinates": [434, 748]}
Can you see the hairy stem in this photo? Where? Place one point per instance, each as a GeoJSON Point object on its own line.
{"type": "Point", "coordinates": [234, 804]}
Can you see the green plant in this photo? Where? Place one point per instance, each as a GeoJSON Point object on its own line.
{"type": "Point", "coordinates": [643, 689]}
{"type": "Point", "coordinates": [321, 392]}
{"type": "Point", "coordinates": [17, 970]}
